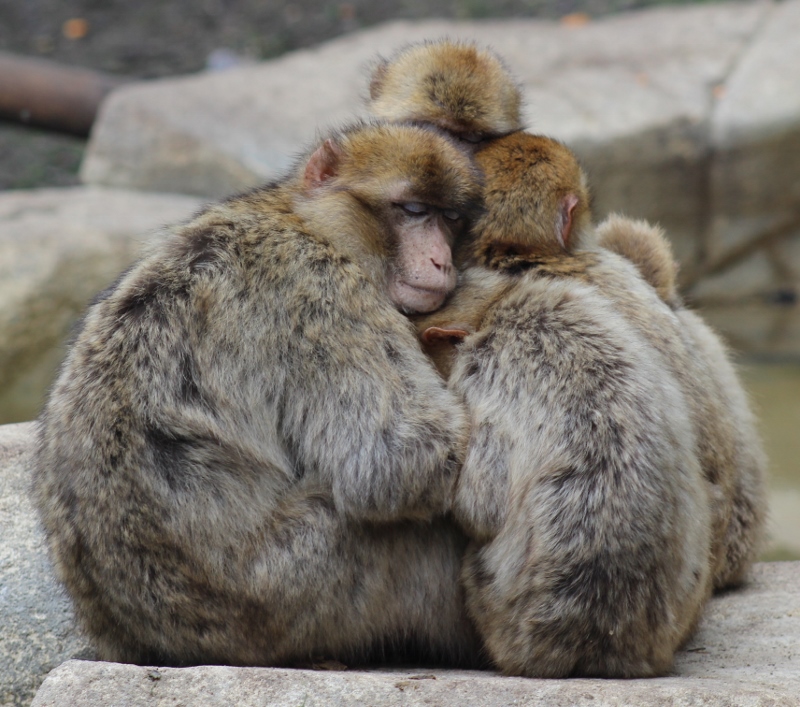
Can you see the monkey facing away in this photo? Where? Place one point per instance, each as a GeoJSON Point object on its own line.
{"type": "Point", "coordinates": [246, 457]}
{"type": "Point", "coordinates": [581, 487]}
{"type": "Point", "coordinates": [457, 86]}
{"type": "Point", "coordinates": [467, 90]}
{"type": "Point", "coordinates": [730, 450]}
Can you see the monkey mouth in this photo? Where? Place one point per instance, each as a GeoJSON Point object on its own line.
{"type": "Point", "coordinates": [413, 298]}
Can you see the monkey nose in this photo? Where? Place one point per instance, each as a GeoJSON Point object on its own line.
{"type": "Point", "coordinates": [444, 266]}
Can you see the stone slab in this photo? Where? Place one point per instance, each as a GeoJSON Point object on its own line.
{"type": "Point", "coordinates": [37, 630]}
{"type": "Point", "coordinates": [59, 247]}
{"type": "Point", "coordinates": [631, 93]}
{"type": "Point", "coordinates": [746, 653]}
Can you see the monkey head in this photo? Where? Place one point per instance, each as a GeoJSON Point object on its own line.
{"type": "Point", "coordinates": [535, 202]}
{"type": "Point", "coordinates": [456, 86]}
{"type": "Point", "coordinates": [396, 196]}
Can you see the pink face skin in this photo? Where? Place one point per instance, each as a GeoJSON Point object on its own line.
{"type": "Point", "coordinates": [423, 275]}
{"type": "Point", "coordinates": [422, 272]}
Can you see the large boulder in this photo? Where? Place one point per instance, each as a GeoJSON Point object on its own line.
{"type": "Point", "coordinates": [631, 93]}
{"type": "Point", "coordinates": [744, 654]}
{"type": "Point", "coordinates": [687, 116]}
{"type": "Point", "coordinates": [58, 248]}
{"type": "Point", "coordinates": [754, 195]}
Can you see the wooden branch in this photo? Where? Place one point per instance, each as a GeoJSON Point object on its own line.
{"type": "Point", "coordinates": [50, 95]}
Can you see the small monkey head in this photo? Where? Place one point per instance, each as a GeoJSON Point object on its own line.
{"type": "Point", "coordinates": [395, 196]}
{"type": "Point", "coordinates": [648, 248]}
{"type": "Point", "coordinates": [456, 86]}
{"type": "Point", "coordinates": [536, 201]}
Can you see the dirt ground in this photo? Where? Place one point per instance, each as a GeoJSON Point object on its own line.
{"type": "Point", "coordinates": [152, 38]}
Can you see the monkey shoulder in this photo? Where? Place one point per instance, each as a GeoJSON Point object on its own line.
{"type": "Point", "coordinates": [561, 342]}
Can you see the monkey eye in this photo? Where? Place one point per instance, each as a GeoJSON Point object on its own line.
{"type": "Point", "coordinates": [472, 138]}
{"type": "Point", "coordinates": [415, 208]}
{"type": "Point", "coordinates": [451, 215]}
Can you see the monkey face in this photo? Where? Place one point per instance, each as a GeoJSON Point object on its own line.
{"type": "Point", "coordinates": [422, 274]}
{"type": "Point", "coordinates": [401, 192]}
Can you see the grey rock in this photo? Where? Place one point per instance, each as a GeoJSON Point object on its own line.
{"type": "Point", "coordinates": [632, 96]}
{"type": "Point", "coordinates": [630, 93]}
{"type": "Point", "coordinates": [745, 654]}
{"type": "Point", "coordinates": [59, 247]}
{"type": "Point", "coordinates": [755, 178]}
{"type": "Point", "coordinates": [755, 134]}
{"type": "Point", "coordinates": [37, 630]}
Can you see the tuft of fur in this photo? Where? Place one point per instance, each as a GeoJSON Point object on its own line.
{"type": "Point", "coordinates": [457, 86]}
{"type": "Point", "coordinates": [647, 247]}
{"type": "Point", "coordinates": [582, 488]}
{"type": "Point", "coordinates": [730, 451]}
{"type": "Point", "coordinates": [246, 458]}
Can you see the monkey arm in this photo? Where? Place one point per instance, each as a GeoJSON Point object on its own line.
{"type": "Point", "coordinates": [481, 496]}
{"type": "Point", "coordinates": [360, 408]}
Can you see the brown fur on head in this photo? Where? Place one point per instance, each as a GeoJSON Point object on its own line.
{"type": "Point", "coordinates": [375, 166]}
{"type": "Point", "coordinates": [454, 85]}
{"type": "Point", "coordinates": [381, 161]}
{"type": "Point", "coordinates": [647, 247]}
{"type": "Point", "coordinates": [536, 202]}
{"type": "Point", "coordinates": [395, 197]}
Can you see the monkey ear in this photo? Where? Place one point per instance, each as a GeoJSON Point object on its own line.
{"type": "Point", "coordinates": [450, 334]}
{"type": "Point", "coordinates": [322, 165]}
{"type": "Point", "coordinates": [564, 227]}
{"type": "Point", "coordinates": [378, 77]}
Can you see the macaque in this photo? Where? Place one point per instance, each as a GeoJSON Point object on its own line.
{"type": "Point", "coordinates": [246, 457]}
{"type": "Point", "coordinates": [447, 84]}
{"type": "Point", "coordinates": [582, 489]}
{"type": "Point", "coordinates": [456, 86]}
{"type": "Point", "coordinates": [730, 450]}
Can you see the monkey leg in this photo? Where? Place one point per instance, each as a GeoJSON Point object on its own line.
{"type": "Point", "coordinates": [309, 585]}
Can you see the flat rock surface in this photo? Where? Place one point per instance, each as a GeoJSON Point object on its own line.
{"type": "Point", "coordinates": [746, 652]}
{"type": "Point", "coordinates": [37, 631]}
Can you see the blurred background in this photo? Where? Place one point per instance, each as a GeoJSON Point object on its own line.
{"type": "Point", "coordinates": [151, 39]}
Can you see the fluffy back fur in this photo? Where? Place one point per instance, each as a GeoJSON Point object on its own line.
{"type": "Point", "coordinates": [455, 85]}
{"type": "Point", "coordinates": [246, 458]}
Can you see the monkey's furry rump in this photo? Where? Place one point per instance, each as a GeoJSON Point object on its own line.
{"type": "Point", "coordinates": [730, 451]}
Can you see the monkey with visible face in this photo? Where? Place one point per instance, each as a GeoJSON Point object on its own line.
{"type": "Point", "coordinates": [730, 450]}
{"type": "Point", "coordinates": [246, 457]}
{"type": "Point", "coordinates": [457, 86]}
{"type": "Point", "coordinates": [581, 488]}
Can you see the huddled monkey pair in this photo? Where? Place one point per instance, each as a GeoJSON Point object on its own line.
{"type": "Point", "coordinates": [248, 459]}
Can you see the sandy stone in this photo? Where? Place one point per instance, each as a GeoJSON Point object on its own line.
{"type": "Point", "coordinates": [630, 93]}
{"type": "Point", "coordinates": [755, 128]}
